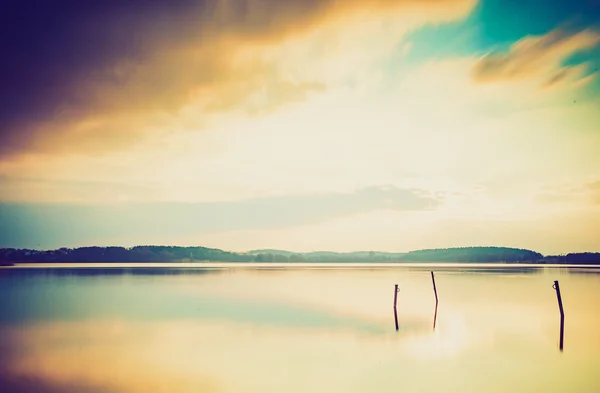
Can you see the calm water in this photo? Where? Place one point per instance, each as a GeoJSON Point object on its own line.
{"type": "Point", "coordinates": [224, 329]}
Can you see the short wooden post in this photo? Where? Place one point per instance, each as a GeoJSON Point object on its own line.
{"type": "Point", "coordinates": [396, 290]}
{"type": "Point", "coordinates": [436, 299]}
{"type": "Point", "coordinates": [562, 313]}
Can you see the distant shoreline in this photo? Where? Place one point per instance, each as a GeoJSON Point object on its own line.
{"type": "Point", "coordinates": [203, 255]}
{"type": "Point", "coordinates": [294, 265]}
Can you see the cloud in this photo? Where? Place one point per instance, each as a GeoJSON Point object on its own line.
{"type": "Point", "coordinates": [32, 384]}
{"type": "Point", "coordinates": [567, 74]}
{"type": "Point", "coordinates": [430, 125]}
{"type": "Point", "coordinates": [24, 225]}
{"type": "Point", "coordinates": [110, 69]}
{"type": "Point", "coordinates": [561, 232]}
{"type": "Point", "coordinates": [576, 195]}
{"type": "Point", "coordinates": [538, 57]}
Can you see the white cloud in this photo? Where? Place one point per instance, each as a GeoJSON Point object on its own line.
{"type": "Point", "coordinates": [430, 127]}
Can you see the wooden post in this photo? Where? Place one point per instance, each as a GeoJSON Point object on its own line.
{"type": "Point", "coordinates": [396, 290]}
{"type": "Point", "coordinates": [436, 299]}
{"type": "Point", "coordinates": [562, 314]}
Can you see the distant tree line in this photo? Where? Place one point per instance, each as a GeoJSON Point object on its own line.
{"type": "Point", "coordinates": [324, 256]}
{"type": "Point", "coordinates": [270, 257]}
{"type": "Point", "coordinates": [199, 254]}
{"type": "Point", "coordinates": [122, 254]}
{"type": "Point", "coordinates": [583, 258]}
{"type": "Point", "coordinates": [473, 254]}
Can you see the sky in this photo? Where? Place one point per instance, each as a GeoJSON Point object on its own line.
{"type": "Point", "coordinates": [389, 125]}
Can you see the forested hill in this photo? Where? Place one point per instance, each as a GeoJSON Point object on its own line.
{"type": "Point", "coordinates": [121, 254]}
{"type": "Point", "coordinates": [324, 256]}
{"type": "Point", "coordinates": [198, 254]}
{"type": "Point", "coordinates": [473, 254]}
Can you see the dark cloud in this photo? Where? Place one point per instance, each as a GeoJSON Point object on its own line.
{"type": "Point", "coordinates": [55, 53]}
{"type": "Point", "coordinates": [63, 62]}
{"type": "Point", "coordinates": [34, 384]}
{"type": "Point", "coordinates": [49, 46]}
{"type": "Point", "coordinates": [47, 225]}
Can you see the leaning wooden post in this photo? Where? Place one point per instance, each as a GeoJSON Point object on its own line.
{"type": "Point", "coordinates": [436, 299]}
{"type": "Point", "coordinates": [562, 314]}
{"type": "Point", "coordinates": [396, 290]}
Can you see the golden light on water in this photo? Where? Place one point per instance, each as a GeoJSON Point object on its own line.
{"type": "Point", "coordinates": [248, 330]}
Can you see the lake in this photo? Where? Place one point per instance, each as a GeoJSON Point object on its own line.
{"type": "Point", "coordinates": [305, 328]}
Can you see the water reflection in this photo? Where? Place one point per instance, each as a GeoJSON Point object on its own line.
{"type": "Point", "coordinates": [506, 269]}
{"type": "Point", "coordinates": [106, 271]}
{"type": "Point", "coordinates": [584, 270]}
{"type": "Point", "coordinates": [297, 331]}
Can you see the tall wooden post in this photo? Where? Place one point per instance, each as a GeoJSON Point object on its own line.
{"type": "Point", "coordinates": [436, 299]}
{"type": "Point", "coordinates": [396, 290]}
{"type": "Point", "coordinates": [562, 313]}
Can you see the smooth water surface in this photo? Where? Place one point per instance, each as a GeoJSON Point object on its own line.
{"type": "Point", "coordinates": [327, 329]}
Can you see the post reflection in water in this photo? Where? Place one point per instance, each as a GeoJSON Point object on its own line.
{"type": "Point", "coordinates": [295, 331]}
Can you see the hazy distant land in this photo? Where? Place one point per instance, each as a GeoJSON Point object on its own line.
{"type": "Point", "coordinates": [200, 254]}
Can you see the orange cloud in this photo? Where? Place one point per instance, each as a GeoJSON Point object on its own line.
{"type": "Point", "coordinates": [537, 57]}
{"type": "Point", "coordinates": [200, 65]}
